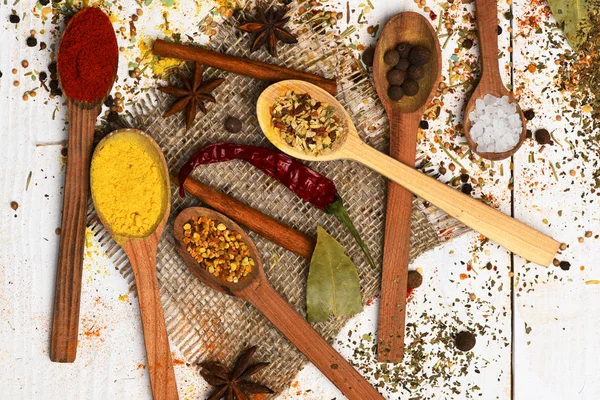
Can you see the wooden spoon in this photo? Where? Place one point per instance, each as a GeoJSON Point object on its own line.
{"type": "Point", "coordinates": [404, 117]}
{"type": "Point", "coordinates": [255, 288]}
{"type": "Point", "coordinates": [486, 12]}
{"type": "Point", "coordinates": [504, 230]}
{"type": "Point", "coordinates": [141, 252]}
{"type": "Point", "coordinates": [67, 292]}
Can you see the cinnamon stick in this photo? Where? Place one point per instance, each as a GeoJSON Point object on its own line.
{"type": "Point", "coordinates": [252, 219]}
{"type": "Point", "coordinates": [239, 65]}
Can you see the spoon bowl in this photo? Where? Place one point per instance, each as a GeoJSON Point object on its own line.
{"type": "Point", "coordinates": [486, 13]}
{"type": "Point", "coordinates": [404, 118]}
{"type": "Point", "coordinates": [141, 251]}
{"type": "Point", "coordinates": [256, 289]}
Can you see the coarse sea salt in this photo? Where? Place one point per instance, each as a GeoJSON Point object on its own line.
{"type": "Point", "coordinates": [495, 124]}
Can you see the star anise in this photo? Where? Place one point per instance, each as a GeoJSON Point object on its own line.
{"type": "Point", "coordinates": [232, 385]}
{"type": "Point", "coordinates": [269, 29]}
{"type": "Point", "coordinates": [194, 93]}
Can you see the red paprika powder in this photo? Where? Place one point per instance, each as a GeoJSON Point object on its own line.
{"type": "Point", "coordinates": [88, 56]}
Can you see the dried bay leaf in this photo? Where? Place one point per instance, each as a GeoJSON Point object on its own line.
{"type": "Point", "coordinates": [333, 286]}
{"type": "Point", "coordinates": [573, 17]}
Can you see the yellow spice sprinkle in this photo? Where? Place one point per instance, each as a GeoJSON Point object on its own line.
{"type": "Point", "coordinates": [128, 185]}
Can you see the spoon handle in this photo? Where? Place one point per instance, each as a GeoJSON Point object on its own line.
{"type": "Point", "coordinates": [67, 292]}
{"type": "Point", "coordinates": [502, 229]}
{"type": "Point", "coordinates": [396, 247]}
{"type": "Point", "coordinates": [142, 255]}
{"type": "Point", "coordinates": [309, 342]}
{"type": "Point", "coordinates": [486, 12]}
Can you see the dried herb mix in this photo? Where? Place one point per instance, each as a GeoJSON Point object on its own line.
{"type": "Point", "coordinates": [306, 124]}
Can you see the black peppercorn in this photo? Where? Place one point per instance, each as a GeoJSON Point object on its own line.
{"type": "Point", "coordinates": [464, 341]}
{"type": "Point", "coordinates": [112, 116]}
{"type": "Point", "coordinates": [464, 178]}
{"type": "Point", "coordinates": [424, 124]}
{"type": "Point", "coordinates": [565, 265]}
{"type": "Point", "coordinates": [43, 76]}
{"type": "Point", "coordinates": [52, 67]}
{"type": "Point", "coordinates": [109, 101]}
{"type": "Point", "coordinates": [404, 49]}
{"type": "Point", "coordinates": [44, 2]}
{"type": "Point", "coordinates": [31, 41]}
{"type": "Point", "coordinates": [410, 87]}
{"type": "Point", "coordinates": [56, 92]}
{"type": "Point", "coordinates": [499, 30]}
{"type": "Point", "coordinates": [395, 93]}
{"type": "Point", "coordinates": [14, 18]}
{"type": "Point", "coordinates": [542, 136]}
{"type": "Point", "coordinates": [529, 114]}
{"type": "Point", "coordinates": [415, 72]}
{"type": "Point", "coordinates": [53, 84]}
{"type": "Point", "coordinates": [528, 134]}
{"type": "Point", "coordinates": [415, 279]}
{"type": "Point", "coordinates": [233, 125]}
{"type": "Point", "coordinates": [368, 55]}
{"type": "Point", "coordinates": [403, 64]}
{"type": "Point", "coordinates": [467, 188]}
{"type": "Point", "coordinates": [391, 57]}
{"type": "Point", "coordinates": [396, 77]}
{"type": "Point", "coordinates": [419, 55]}
{"type": "Point", "coordinates": [467, 43]}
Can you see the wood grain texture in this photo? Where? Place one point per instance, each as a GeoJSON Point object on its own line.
{"type": "Point", "coordinates": [501, 228]}
{"type": "Point", "coordinates": [404, 117]}
{"type": "Point", "coordinates": [486, 12]}
{"type": "Point", "coordinates": [504, 230]}
{"type": "Point", "coordinates": [67, 292]}
{"type": "Point", "coordinates": [239, 65]}
{"type": "Point", "coordinates": [295, 328]}
{"type": "Point", "coordinates": [256, 289]}
{"type": "Point", "coordinates": [251, 218]}
{"type": "Point", "coordinates": [142, 256]}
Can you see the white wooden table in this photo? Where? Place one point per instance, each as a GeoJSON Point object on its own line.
{"type": "Point", "coordinates": [541, 324]}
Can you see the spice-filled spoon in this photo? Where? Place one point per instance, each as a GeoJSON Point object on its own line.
{"type": "Point", "coordinates": [486, 12]}
{"type": "Point", "coordinates": [504, 230]}
{"type": "Point", "coordinates": [255, 288]}
{"type": "Point", "coordinates": [87, 67]}
{"type": "Point", "coordinates": [407, 69]}
{"type": "Point", "coordinates": [130, 190]}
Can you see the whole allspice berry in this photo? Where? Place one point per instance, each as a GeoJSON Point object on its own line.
{"type": "Point", "coordinates": [410, 87]}
{"type": "Point", "coordinates": [403, 64]}
{"type": "Point", "coordinates": [396, 77]}
{"type": "Point", "coordinates": [233, 125]}
{"type": "Point", "coordinates": [416, 72]}
{"type": "Point", "coordinates": [404, 49]}
{"type": "Point", "coordinates": [542, 136]}
{"type": "Point", "coordinates": [368, 55]}
{"type": "Point", "coordinates": [415, 279]}
{"type": "Point", "coordinates": [419, 55]}
{"type": "Point", "coordinates": [464, 341]}
{"type": "Point", "coordinates": [565, 265]}
{"type": "Point", "coordinates": [391, 57]}
{"type": "Point", "coordinates": [395, 92]}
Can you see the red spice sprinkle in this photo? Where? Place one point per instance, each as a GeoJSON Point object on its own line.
{"type": "Point", "coordinates": [88, 55]}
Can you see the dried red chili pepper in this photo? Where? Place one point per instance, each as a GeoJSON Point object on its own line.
{"type": "Point", "coordinates": [300, 179]}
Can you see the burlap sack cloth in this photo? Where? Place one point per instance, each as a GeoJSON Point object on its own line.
{"type": "Point", "coordinates": [205, 324]}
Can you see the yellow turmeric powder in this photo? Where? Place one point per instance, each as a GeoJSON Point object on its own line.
{"type": "Point", "coordinates": [129, 186]}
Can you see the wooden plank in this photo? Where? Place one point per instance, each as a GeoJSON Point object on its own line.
{"type": "Point", "coordinates": [556, 314]}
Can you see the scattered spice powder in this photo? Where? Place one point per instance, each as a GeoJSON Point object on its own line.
{"type": "Point", "coordinates": [219, 250]}
{"type": "Point", "coordinates": [306, 124]}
